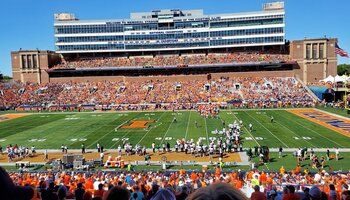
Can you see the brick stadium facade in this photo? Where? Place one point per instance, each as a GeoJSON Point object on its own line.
{"type": "Point", "coordinates": [315, 60]}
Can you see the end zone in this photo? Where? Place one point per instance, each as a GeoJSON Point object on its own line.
{"type": "Point", "coordinates": [332, 122]}
{"type": "Point", "coordinates": [6, 117]}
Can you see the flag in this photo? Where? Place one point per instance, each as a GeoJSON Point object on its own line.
{"type": "Point", "coordinates": [340, 51]}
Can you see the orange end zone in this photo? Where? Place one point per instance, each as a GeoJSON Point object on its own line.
{"type": "Point", "coordinates": [332, 122]}
{"type": "Point", "coordinates": [6, 117]}
{"type": "Point", "coordinates": [138, 124]}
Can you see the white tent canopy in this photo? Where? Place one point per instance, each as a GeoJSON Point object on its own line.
{"type": "Point", "coordinates": [330, 78]}
{"type": "Point", "coordinates": [340, 78]}
{"type": "Point", "coordinates": [336, 79]}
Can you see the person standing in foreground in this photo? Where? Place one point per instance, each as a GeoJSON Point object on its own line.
{"type": "Point", "coordinates": [337, 154]}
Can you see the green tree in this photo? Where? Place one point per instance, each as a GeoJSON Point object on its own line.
{"type": "Point", "coordinates": [7, 77]}
{"type": "Point", "coordinates": [2, 77]}
{"type": "Point", "coordinates": [343, 69]}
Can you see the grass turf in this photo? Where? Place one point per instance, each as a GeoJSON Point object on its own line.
{"type": "Point", "coordinates": [50, 130]}
{"type": "Point", "coordinates": [289, 163]}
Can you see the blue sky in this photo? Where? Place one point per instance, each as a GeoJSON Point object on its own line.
{"type": "Point", "coordinates": [28, 24]}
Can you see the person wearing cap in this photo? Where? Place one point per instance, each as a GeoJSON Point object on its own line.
{"type": "Point", "coordinates": [315, 193]}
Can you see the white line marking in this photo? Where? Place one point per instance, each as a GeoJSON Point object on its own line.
{"type": "Point", "coordinates": [206, 129]}
{"type": "Point", "coordinates": [293, 132]}
{"type": "Point", "coordinates": [172, 121]}
{"type": "Point", "coordinates": [100, 139]}
{"type": "Point", "coordinates": [188, 123]}
{"type": "Point", "coordinates": [150, 128]}
{"type": "Point", "coordinates": [267, 130]}
{"type": "Point", "coordinates": [313, 131]}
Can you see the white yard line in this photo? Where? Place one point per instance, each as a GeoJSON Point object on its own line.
{"type": "Point", "coordinates": [294, 133]}
{"type": "Point", "coordinates": [100, 139]}
{"type": "Point", "coordinates": [206, 129]}
{"type": "Point", "coordinates": [267, 130]}
{"type": "Point", "coordinates": [151, 128]}
{"type": "Point", "coordinates": [314, 132]}
{"type": "Point", "coordinates": [188, 123]}
{"type": "Point", "coordinates": [172, 121]}
{"type": "Point", "coordinates": [333, 114]}
{"type": "Point", "coordinates": [121, 139]}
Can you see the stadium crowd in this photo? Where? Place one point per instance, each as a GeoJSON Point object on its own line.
{"type": "Point", "coordinates": [240, 91]}
{"type": "Point", "coordinates": [163, 61]}
{"type": "Point", "coordinates": [181, 184]}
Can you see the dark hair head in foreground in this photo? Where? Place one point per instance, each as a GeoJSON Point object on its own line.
{"type": "Point", "coordinates": [219, 191]}
{"type": "Point", "coordinates": [8, 190]}
{"type": "Point", "coordinates": [117, 193]}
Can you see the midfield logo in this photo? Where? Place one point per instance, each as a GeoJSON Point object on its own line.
{"type": "Point", "coordinates": [138, 124]}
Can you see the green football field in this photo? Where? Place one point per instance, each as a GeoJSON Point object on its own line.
{"type": "Point", "coordinates": [50, 130]}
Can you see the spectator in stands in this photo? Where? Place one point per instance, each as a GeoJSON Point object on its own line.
{"type": "Point", "coordinates": [306, 194]}
{"type": "Point", "coordinates": [153, 191]}
{"type": "Point", "coordinates": [117, 193]}
{"type": "Point", "coordinates": [345, 195]}
{"type": "Point", "coordinates": [62, 192]}
{"type": "Point", "coordinates": [183, 195]}
{"type": "Point", "coordinates": [79, 192]}
{"type": "Point", "coordinates": [257, 195]}
{"type": "Point", "coordinates": [179, 61]}
{"type": "Point", "coordinates": [290, 194]}
{"type": "Point", "coordinates": [137, 194]}
{"type": "Point", "coordinates": [315, 193]}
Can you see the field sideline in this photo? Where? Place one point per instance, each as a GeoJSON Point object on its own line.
{"type": "Point", "coordinates": [50, 130]}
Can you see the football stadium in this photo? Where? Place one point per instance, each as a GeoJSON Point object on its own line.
{"type": "Point", "coordinates": [176, 104]}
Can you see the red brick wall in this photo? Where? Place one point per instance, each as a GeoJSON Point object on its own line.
{"type": "Point", "coordinates": [315, 71]}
